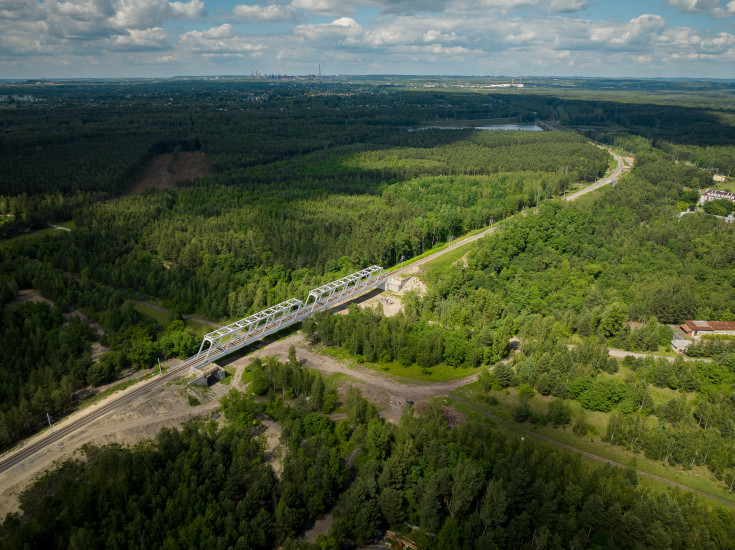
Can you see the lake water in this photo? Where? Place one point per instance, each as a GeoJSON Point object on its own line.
{"type": "Point", "coordinates": [528, 127]}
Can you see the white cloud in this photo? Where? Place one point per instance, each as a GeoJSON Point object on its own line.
{"type": "Point", "coordinates": [338, 30]}
{"type": "Point", "coordinates": [257, 13]}
{"type": "Point", "coordinates": [220, 41]}
{"type": "Point", "coordinates": [137, 40]}
{"type": "Point", "coordinates": [566, 6]}
{"type": "Point", "coordinates": [223, 31]}
{"type": "Point", "coordinates": [712, 7]}
{"type": "Point", "coordinates": [429, 36]}
{"type": "Point", "coordinates": [324, 7]}
{"type": "Point", "coordinates": [694, 6]}
{"type": "Point", "coordinates": [144, 14]}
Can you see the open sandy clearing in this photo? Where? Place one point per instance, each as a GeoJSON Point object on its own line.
{"type": "Point", "coordinates": [389, 392]}
{"type": "Point", "coordinates": [188, 165]}
{"type": "Point", "coordinates": [165, 406]}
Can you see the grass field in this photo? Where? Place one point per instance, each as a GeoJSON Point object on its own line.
{"type": "Point", "coordinates": [26, 237]}
{"type": "Point", "coordinates": [439, 373]}
{"type": "Point", "coordinates": [162, 318]}
{"type": "Point", "coordinates": [698, 478]}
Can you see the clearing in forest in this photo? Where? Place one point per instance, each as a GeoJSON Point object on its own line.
{"type": "Point", "coordinates": [188, 165]}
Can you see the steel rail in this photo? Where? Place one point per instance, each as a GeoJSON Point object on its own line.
{"type": "Point", "coordinates": [62, 431]}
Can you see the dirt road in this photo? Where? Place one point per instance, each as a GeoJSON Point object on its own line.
{"type": "Point", "coordinates": [387, 391]}
{"type": "Point", "coordinates": [621, 353]}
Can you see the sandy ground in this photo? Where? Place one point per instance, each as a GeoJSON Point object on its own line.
{"type": "Point", "coordinates": [30, 295]}
{"type": "Point", "coordinates": [272, 435]}
{"type": "Point", "coordinates": [388, 301]}
{"type": "Point", "coordinates": [189, 165]}
{"type": "Point", "coordinates": [166, 406]}
{"type": "Point", "coordinates": [389, 393]}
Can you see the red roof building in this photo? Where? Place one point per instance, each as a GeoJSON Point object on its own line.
{"type": "Point", "coordinates": [699, 328]}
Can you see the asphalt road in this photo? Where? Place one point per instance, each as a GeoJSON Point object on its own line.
{"type": "Point", "coordinates": [619, 169]}
{"type": "Point", "coordinates": [17, 454]}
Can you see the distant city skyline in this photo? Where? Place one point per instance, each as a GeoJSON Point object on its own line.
{"type": "Point", "coordinates": [158, 38]}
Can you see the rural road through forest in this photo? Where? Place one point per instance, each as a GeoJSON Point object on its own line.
{"type": "Point", "coordinates": [398, 390]}
{"type": "Point", "coordinates": [619, 169]}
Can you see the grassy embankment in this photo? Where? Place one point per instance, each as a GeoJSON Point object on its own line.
{"type": "Point", "coordinates": [438, 373]}
{"type": "Point", "coordinates": [33, 235]}
{"type": "Point", "coordinates": [162, 318]}
{"type": "Point", "coordinates": [697, 478]}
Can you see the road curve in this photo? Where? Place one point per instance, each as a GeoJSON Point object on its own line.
{"type": "Point", "coordinates": [619, 169]}
{"type": "Point", "coordinates": [13, 458]}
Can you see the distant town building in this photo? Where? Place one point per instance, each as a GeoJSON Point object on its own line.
{"type": "Point", "coordinates": [714, 194]}
{"type": "Point", "coordinates": [702, 328]}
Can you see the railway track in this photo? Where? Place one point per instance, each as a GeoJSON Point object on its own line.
{"type": "Point", "coordinates": [18, 456]}
{"type": "Point", "coordinates": [60, 432]}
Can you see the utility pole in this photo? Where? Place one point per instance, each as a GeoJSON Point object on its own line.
{"type": "Point", "coordinates": [402, 258]}
{"type": "Point", "coordinates": [49, 422]}
{"type": "Point", "coordinates": [160, 371]}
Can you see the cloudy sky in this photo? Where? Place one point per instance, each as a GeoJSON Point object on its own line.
{"type": "Point", "coordinates": [148, 38]}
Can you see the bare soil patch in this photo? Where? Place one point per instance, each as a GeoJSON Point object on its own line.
{"type": "Point", "coordinates": [389, 393]}
{"type": "Point", "coordinates": [188, 165]}
{"type": "Point", "coordinates": [463, 260]}
{"type": "Point", "coordinates": [143, 418]}
{"type": "Point", "coordinates": [388, 302]}
{"type": "Point", "coordinates": [414, 284]}
{"type": "Point", "coordinates": [30, 295]}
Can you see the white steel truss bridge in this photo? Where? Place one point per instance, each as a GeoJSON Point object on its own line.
{"type": "Point", "coordinates": [241, 333]}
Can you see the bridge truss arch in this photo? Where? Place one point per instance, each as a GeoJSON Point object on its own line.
{"type": "Point", "coordinates": [239, 334]}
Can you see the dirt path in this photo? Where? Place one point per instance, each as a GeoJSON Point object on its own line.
{"type": "Point", "coordinates": [390, 392]}
{"type": "Point", "coordinates": [59, 227]}
{"type": "Point", "coordinates": [621, 353]}
{"type": "Point", "coordinates": [526, 431]}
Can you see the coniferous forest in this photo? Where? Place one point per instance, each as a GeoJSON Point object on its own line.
{"type": "Point", "coordinates": [306, 182]}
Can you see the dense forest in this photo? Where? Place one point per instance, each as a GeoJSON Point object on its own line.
{"type": "Point", "coordinates": [309, 181]}
{"type": "Point", "coordinates": [568, 282]}
{"type": "Point", "coordinates": [467, 486]}
{"type": "Point", "coordinates": [280, 212]}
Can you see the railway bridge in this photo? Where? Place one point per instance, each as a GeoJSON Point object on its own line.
{"type": "Point", "coordinates": [241, 333]}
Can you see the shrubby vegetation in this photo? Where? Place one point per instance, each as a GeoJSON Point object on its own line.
{"type": "Point", "coordinates": [465, 487]}
{"type": "Point", "coordinates": [46, 348]}
{"type": "Point", "coordinates": [311, 183]}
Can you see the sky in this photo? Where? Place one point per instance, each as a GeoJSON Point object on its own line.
{"type": "Point", "coordinates": [160, 38]}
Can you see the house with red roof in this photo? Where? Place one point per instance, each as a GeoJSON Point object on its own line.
{"type": "Point", "coordinates": [698, 329]}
